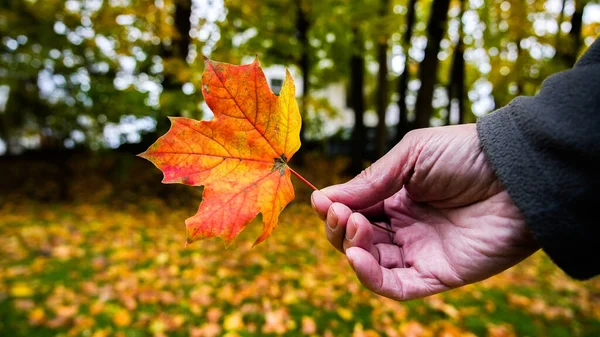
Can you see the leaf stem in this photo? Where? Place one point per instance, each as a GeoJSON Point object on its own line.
{"type": "Point", "coordinates": [316, 189]}
{"type": "Point", "coordinates": [383, 228]}
{"type": "Point", "coordinates": [302, 178]}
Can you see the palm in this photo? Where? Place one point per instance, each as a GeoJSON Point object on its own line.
{"type": "Point", "coordinates": [451, 247]}
{"type": "Point", "coordinates": [454, 224]}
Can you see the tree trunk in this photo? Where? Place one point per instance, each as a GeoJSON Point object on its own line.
{"type": "Point", "coordinates": [183, 12]}
{"type": "Point", "coordinates": [428, 68]}
{"type": "Point", "coordinates": [456, 87]}
{"type": "Point", "coordinates": [403, 126]}
{"type": "Point", "coordinates": [382, 87]}
{"type": "Point", "coordinates": [575, 33]}
{"type": "Point", "coordinates": [568, 51]}
{"type": "Point", "coordinates": [179, 48]}
{"type": "Point", "coordinates": [460, 84]}
{"type": "Point", "coordinates": [519, 67]}
{"type": "Point", "coordinates": [357, 102]}
{"type": "Point", "coordinates": [302, 27]}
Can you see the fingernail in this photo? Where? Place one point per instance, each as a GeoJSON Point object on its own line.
{"type": "Point", "coordinates": [332, 219]}
{"type": "Point", "coordinates": [312, 202]}
{"type": "Point", "coordinates": [317, 197]}
{"type": "Point", "coordinates": [351, 229]}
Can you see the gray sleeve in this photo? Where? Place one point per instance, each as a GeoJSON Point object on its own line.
{"type": "Point", "coordinates": [545, 150]}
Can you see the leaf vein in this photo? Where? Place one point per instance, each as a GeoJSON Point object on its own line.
{"type": "Point", "coordinates": [237, 194]}
{"type": "Point", "coordinates": [215, 156]}
{"type": "Point", "coordinates": [243, 112]}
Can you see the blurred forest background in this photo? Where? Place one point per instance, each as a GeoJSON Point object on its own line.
{"type": "Point", "coordinates": [91, 244]}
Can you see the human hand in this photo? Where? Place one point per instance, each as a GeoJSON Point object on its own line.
{"type": "Point", "coordinates": [454, 223]}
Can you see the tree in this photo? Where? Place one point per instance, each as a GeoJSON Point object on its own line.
{"type": "Point", "coordinates": [428, 68]}
{"type": "Point", "coordinates": [559, 21]}
{"type": "Point", "coordinates": [97, 61]}
{"type": "Point", "coordinates": [571, 54]}
{"type": "Point", "coordinates": [403, 126]}
{"type": "Point", "coordinates": [78, 67]}
{"type": "Point", "coordinates": [357, 102]}
{"type": "Point", "coordinates": [302, 27]}
{"type": "Point", "coordinates": [456, 87]}
{"type": "Point", "coordinates": [382, 85]}
{"type": "Point", "coordinates": [175, 52]}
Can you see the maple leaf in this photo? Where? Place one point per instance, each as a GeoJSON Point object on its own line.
{"type": "Point", "coordinates": [240, 157]}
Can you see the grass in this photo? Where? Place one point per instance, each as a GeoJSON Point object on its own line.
{"type": "Point", "coordinates": [94, 270]}
{"type": "Point", "coordinates": [112, 262]}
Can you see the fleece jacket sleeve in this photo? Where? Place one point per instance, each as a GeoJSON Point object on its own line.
{"type": "Point", "coordinates": [545, 150]}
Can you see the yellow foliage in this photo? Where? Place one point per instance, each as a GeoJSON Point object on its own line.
{"type": "Point", "coordinates": [36, 316]}
{"type": "Point", "coordinates": [500, 330]}
{"type": "Point", "coordinates": [122, 318]}
{"type": "Point", "coordinates": [414, 329]}
{"type": "Point", "coordinates": [135, 276]}
{"type": "Point", "coordinates": [344, 313]}
{"type": "Point", "coordinates": [233, 322]}
{"type": "Point", "coordinates": [21, 290]}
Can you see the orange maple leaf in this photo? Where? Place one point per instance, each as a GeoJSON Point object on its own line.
{"type": "Point", "coordinates": [240, 157]}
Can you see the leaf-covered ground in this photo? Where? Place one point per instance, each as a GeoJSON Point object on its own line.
{"type": "Point", "coordinates": [93, 268]}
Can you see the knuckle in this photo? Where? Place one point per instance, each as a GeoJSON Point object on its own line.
{"type": "Point", "coordinates": [370, 177]}
{"type": "Point", "coordinates": [412, 137]}
{"type": "Point", "coordinates": [411, 134]}
{"type": "Point", "coordinates": [415, 138]}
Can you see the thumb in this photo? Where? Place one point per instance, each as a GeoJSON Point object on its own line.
{"type": "Point", "coordinates": [379, 181]}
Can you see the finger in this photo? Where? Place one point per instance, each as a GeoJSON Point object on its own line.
{"type": "Point", "coordinates": [400, 283]}
{"type": "Point", "coordinates": [335, 224]}
{"type": "Point", "coordinates": [320, 203]}
{"type": "Point", "coordinates": [359, 233]}
{"type": "Point", "coordinates": [379, 221]}
{"type": "Point", "coordinates": [370, 233]}
{"type": "Point", "coordinates": [402, 210]}
{"type": "Point", "coordinates": [379, 181]}
{"type": "Point", "coordinates": [390, 255]}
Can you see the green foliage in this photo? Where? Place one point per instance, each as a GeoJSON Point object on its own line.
{"type": "Point", "coordinates": [64, 60]}
{"type": "Point", "coordinates": [61, 60]}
